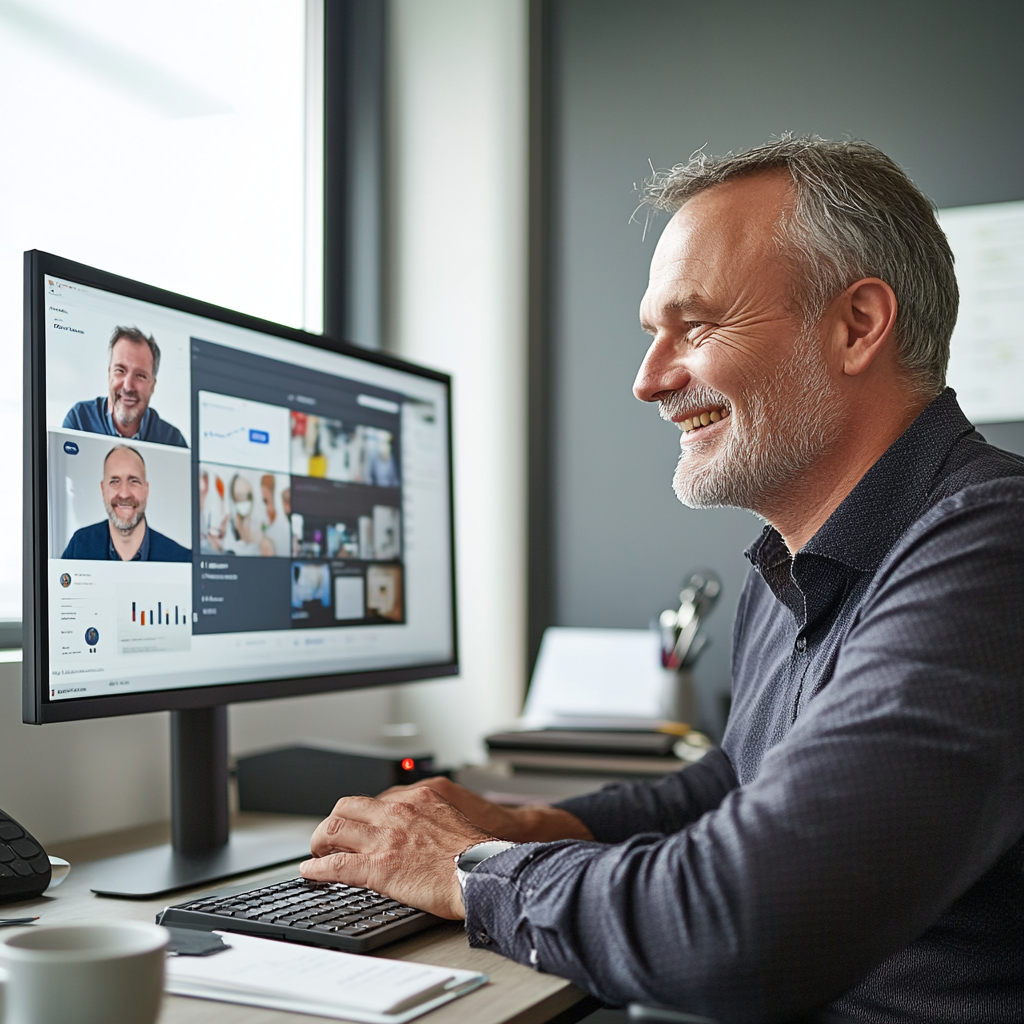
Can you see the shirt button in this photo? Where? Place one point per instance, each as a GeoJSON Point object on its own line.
{"type": "Point", "coordinates": [484, 938]}
{"type": "Point", "coordinates": [801, 643]}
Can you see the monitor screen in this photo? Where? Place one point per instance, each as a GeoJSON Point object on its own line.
{"type": "Point", "coordinates": [217, 502]}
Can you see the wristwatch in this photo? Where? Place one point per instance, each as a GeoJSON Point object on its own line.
{"type": "Point", "coordinates": [477, 854]}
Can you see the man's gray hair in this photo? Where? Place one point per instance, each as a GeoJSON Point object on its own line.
{"type": "Point", "coordinates": [134, 334]}
{"type": "Point", "coordinates": [856, 214]}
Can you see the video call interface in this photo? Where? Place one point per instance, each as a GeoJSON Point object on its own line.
{"type": "Point", "coordinates": [225, 505]}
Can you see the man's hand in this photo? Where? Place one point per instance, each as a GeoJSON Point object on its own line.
{"type": "Point", "coordinates": [403, 846]}
{"type": "Point", "coordinates": [518, 824]}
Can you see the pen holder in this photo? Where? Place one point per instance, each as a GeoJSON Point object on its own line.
{"type": "Point", "coordinates": [678, 701]}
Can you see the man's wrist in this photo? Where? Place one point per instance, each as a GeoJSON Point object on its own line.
{"type": "Point", "coordinates": [476, 854]}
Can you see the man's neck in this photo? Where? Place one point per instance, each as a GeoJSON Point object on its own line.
{"type": "Point", "coordinates": [127, 544]}
{"type": "Point", "coordinates": [807, 503]}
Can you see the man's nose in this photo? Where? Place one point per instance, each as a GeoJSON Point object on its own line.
{"type": "Point", "coordinates": [660, 373]}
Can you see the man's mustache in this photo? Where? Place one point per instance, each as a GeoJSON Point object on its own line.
{"type": "Point", "coordinates": [121, 501]}
{"type": "Point", "coordinates": [687, 401]}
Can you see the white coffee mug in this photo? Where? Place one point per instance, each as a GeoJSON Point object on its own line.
{"type": "Point", "coordinates": [83, 974]}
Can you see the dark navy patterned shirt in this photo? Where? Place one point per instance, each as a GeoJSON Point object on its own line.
{"type": "Point", "coordinates": [858, 840]}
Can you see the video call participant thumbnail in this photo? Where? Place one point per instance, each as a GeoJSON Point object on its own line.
{"type": "Point", "coordinates": [132, 366]}
{"type": "Point", "coordinates": [126, 536]}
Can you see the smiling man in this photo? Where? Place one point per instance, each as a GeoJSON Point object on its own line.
{"type": "Point", "coordinates": [133, 362]}
{"type": "Point", "coordinates": [857, 842]}
{"type": "Point", "coordinates": [125, 536]}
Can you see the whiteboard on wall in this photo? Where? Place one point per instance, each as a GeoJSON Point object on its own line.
{"type": "Point", "coordinates": [986, 364]}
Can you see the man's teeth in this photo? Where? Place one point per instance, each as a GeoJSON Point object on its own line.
{"type": "Point", "coordinates": [696, 422]}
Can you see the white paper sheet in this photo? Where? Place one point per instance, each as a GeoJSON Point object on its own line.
{"type": "Point", "coordinates": [324, 982]}
{"type": "Point", "coordinates": [596, 673]}
{"type": "Point", "coordinates": [986, 365]}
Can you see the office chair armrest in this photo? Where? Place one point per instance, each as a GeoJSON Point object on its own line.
{"type": "Point", "coordinates": [644, 1014]}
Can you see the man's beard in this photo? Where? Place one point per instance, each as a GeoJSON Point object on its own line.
{"type": "Point", "coordinates": [127, 417]}
{"type": "Point", "coordinates": [759, 456]}
{"type": "Point", "coordinates": [122, 525]}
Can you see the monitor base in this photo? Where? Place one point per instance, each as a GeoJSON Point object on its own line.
{"type": "Point", "coordinates": [150, 873]}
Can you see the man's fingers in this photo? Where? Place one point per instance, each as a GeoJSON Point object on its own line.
{"type": "Point", "coordinates": [341, 835]}
{"type": "Point", "coordinates": [438, 783]}
{"type": "Point", "coordinates": [393, 792]}
{"type": "Point", "coordinates": [335, 867]}
{"type": "Point", "coordinates": [357, 808]}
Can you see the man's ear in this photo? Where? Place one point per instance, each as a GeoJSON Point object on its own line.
{"type": "Point", "coordinates": [866, 313]}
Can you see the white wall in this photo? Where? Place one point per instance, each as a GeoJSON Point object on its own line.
{"type": "Point", "coordinates": [457, 301]}
{"type": "Point", "coordinates": [72, 779]}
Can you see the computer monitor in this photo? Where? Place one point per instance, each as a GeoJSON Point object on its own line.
{"type": "Point", "coordinates": [220, 509]}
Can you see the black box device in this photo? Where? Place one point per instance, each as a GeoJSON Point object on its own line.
{"type": "Point", "coordinates": [310, 778]}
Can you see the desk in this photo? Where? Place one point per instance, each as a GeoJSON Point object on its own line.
{"type": "Point", "coordinates": [515, 994]}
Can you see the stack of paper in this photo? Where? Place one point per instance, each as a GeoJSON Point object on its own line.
{"type": "Point", "coordinates": [323, 982]}
{"type": "Point", "coordinates": [595, 675]}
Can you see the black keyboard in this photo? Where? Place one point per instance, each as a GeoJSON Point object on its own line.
{"type": "Point", "coordinates": [316, 913]}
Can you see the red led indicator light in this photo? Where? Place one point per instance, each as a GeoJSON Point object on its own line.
{"type": "Point", "coordinates": [408, 764]}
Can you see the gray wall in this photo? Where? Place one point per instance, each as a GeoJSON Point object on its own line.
{"type": "Point", "coordinates": [937, 86]}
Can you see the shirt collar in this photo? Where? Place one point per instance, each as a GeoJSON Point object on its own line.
{"type": "Point", "coordinates": [888, 498]}
{"type": "Point", "coordinates": [142, 555]}
{"type": "Point", "coordinates": [869, 520]}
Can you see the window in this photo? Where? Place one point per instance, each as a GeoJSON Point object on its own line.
{"type": "Point", "coordinates": [177, 144]}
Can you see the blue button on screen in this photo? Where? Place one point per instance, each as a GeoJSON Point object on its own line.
{"type": "Point", "coordinates": [70, 447]}
{"type": "Point", "coordinates": [259, 437]}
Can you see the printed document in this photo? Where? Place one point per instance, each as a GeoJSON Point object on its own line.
{"type": "Point", "coordinates": [322, 982]}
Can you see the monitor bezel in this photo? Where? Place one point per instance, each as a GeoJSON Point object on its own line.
{"type": "Point", "coordinates": [37, 709]}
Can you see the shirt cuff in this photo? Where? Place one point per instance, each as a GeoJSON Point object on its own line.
{"type": "Point", "coordinates": [494, 903]}
{"type": "Point", "coordinates": [497, 900]}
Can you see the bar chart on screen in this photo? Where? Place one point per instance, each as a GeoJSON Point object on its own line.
{"type": "Point", "coordinates": [155, 614]}
{"type": "Point", "coordinates": [160, 617]}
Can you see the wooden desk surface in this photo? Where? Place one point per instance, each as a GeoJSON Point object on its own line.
{"type": "Point", "coordinates": [514, 995]}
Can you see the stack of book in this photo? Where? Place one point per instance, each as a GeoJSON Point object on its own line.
{"type": "Point", "coordinates": [630, 751]}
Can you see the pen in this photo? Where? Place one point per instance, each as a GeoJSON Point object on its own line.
{"type": "Point", "coordinates": [17, 920]}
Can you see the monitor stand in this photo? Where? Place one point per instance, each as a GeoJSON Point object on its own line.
{"type": "Point", "coordinates": [202, 849]}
